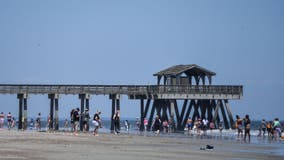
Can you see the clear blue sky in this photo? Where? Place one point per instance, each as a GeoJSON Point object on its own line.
{"type": "Point", "coordinates": [126, 41]}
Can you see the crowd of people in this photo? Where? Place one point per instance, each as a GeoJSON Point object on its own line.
{"type": "Point", "coordinates": [273, 129]}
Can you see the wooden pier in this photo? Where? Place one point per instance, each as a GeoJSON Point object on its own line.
{"type": "Point", "coordinates": [163, 98]}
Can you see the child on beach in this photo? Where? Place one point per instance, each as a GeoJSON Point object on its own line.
{"type": "Point", "coordinates": [239, 126]}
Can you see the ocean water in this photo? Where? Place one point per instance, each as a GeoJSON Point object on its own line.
{"type": "Point", "coordinates": [106, 124]}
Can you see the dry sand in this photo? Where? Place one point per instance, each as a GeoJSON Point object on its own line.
{"type": "Point", "coordinates": [65, 146]}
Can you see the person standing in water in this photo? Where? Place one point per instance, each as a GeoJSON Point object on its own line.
{"type": "Point", "coordinates": [116, 118]}
{"type": "Point", "coordinates": [38, 122]}
{"type": "Point", "coordinates": [157, 125]}
{"type": "Point", "coordinates": [239, 126]}
{"type": "Point", "coordinates": [247, 127]}
{"type": "Point", "coordinates": [86, 117]}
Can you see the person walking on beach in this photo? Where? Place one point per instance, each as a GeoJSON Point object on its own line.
{"type": "Point", "coordinates": [247, 127]}
{"type": "Point", "coordinates": [276, 128]}
{"type": "Point", "coordinates": [116, 118]}
{"type": "Point", "coordinates": [2, 119]}
{"type": "Point", "coordinates": [157, 125]}
{"type": "Point", "coordinates": [97, 116]}
{"type": "Point", "coordinates": [38, 122]}
{"type": "Point", "coordinates": [199, 126]}
{"type": "Point", "coordinates": [262, 128]}
{"type": "Point", "coordinates": [239, 125]}
{"type": "Point", "coordinates": [269, 128]}
{"type": "Point", "coordinates": [97, 122]}
{"type": "Point", "coordinates": [96, 125]}
{"type": "Point", "coordinates": [76, 118]}
{"type": "Point", "coordinates": [86, 118]}
{"type": "Point", "coordinates": [9, 120]}
{"type": "Point", "coordinates": [13, 122]}
{"type": "Point", "coordinates": [145, 124]}
{"type": "Point", "coordinates": [204, 126]}
{"type": "Point", "coordinates": [72, 120]}
{"type": "Point", "coordinates": [137, 123]}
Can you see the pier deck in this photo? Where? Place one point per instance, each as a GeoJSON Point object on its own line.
{"type": "Point", "coordinates": [133, 91]}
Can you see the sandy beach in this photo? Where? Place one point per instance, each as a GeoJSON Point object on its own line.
{"type": "Point", "coordinates": [66, 146]}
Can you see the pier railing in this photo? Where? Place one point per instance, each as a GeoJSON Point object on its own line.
{"type": "Point", "coordinates": [122, 89]}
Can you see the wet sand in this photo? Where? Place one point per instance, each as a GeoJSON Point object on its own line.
{"type": "Point", "coordinates": [66, 146]}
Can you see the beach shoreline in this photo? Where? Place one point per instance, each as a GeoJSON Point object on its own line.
{"type": "Point", "coordinates": [65, 145]}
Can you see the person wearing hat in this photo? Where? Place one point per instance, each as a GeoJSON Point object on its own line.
{"type": "Point", "coordinates": [86, 117]}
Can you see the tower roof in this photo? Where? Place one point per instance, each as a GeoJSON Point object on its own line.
{"type": "Point", "coordinates": [190, 69]}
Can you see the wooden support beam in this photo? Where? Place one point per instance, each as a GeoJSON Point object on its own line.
{"type": "Point", "coordinates": [152, 115]}
{"type": "Point", "coordinates": [169, 110]}
{"type": "Point", "coordinates": [87, 103]}
{"type": "Point", "coordinates": [165, 108]}
{"type": "Point", "coordinates": [209, 111]}
{"type": "Point", "coordinates": [82, 111]}
{"type": "Point", "coordinates": [226, 123]}
{"type": "Point", "coordinates": [216, 110]}
{"type": "Point", "coordinates": [159, 105]}
{"type": "Point", "coordinates": [25, 113]}
{"type": "Point", "coordinates": [192, 103]}
{"type": "Point", "coordinates": [20, 97]}
{"type": "Point", "coordinates": [203, 108]}
{"type": "Point", "coordinates": [56, 120]}
{"type": "Point", "coordinates": [111, 117]}
{"type": "Point", "coordinates": [181, 117]}
{"type": "Point", "coordinates": [232, 122]}
{"type": "Point", "coordinates": [196, 111]}
{"type": "Point", "coordinates": [176, 109]}
{"type": "Point", "coordinates": [147, 107]}
{"type": "Point", "coordinates": [141, 114]}
{"type": "Point", "coordinates": [51, 113]}
{"type": "Point", "coordinates": [203, 79]}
